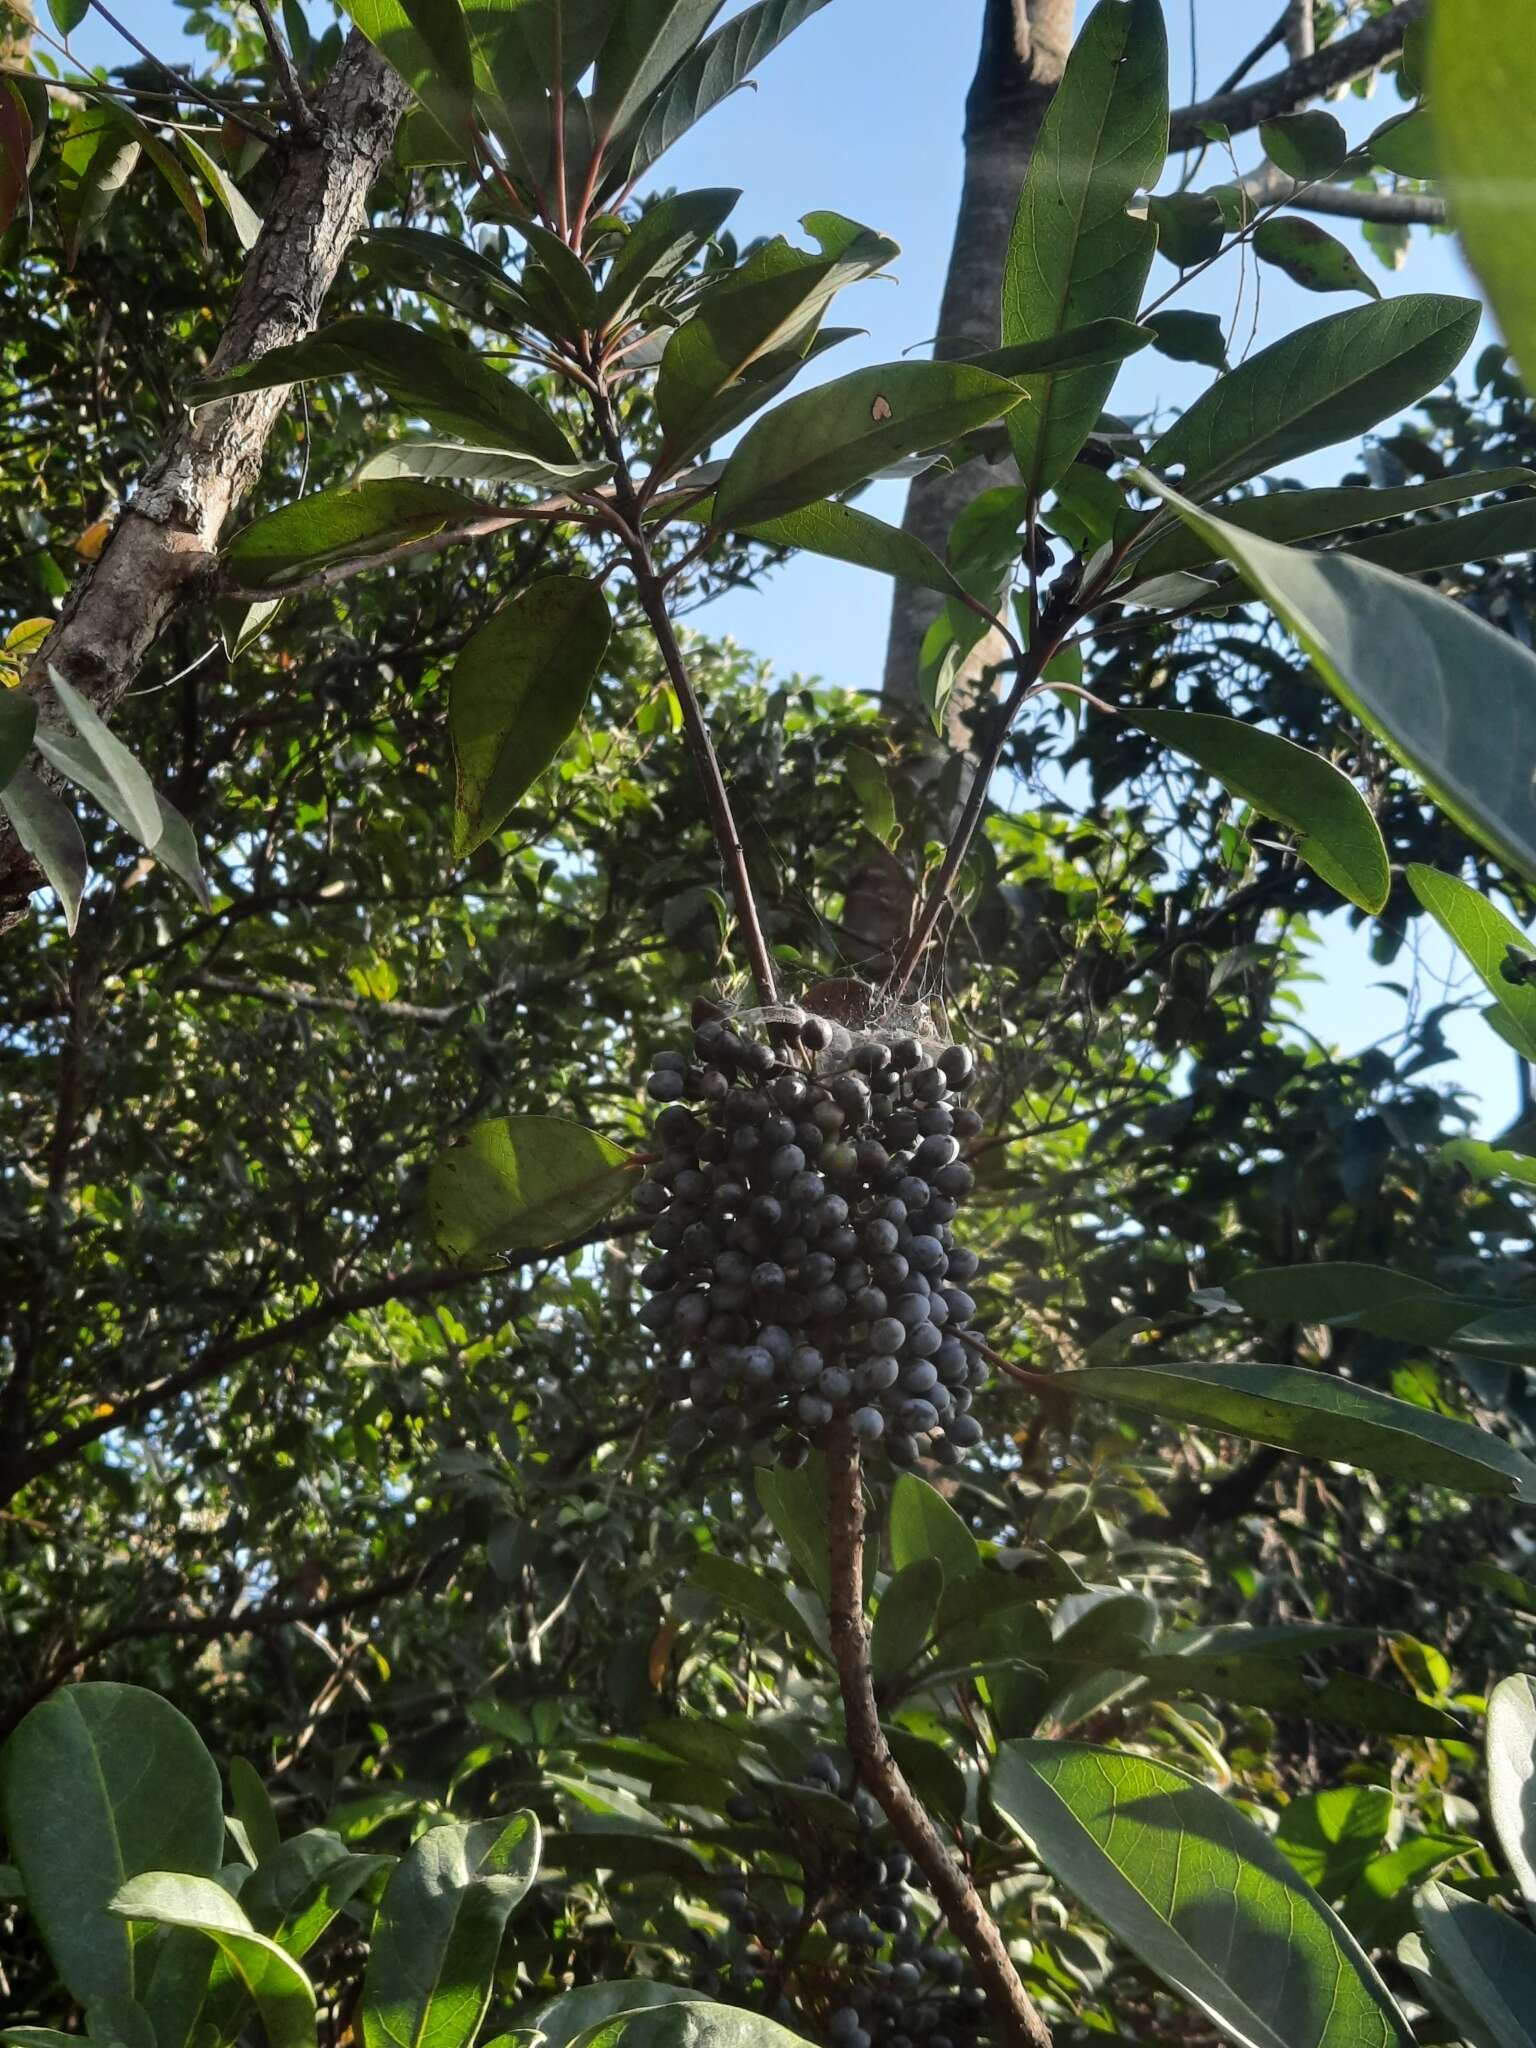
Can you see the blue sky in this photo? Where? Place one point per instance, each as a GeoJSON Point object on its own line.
{"type": "Point", "coordinates": [861, 111]}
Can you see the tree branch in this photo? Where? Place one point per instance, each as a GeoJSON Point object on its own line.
{"type": "Point", "coordinates": [20, 1468]}
{"type": "Point", "coordinates": [1018, 2019]}
{"type": "Point", "coordinates": [1337, 63]}
{"type": "Point", "coordinates": [293, 88]}
{"type": "Point", "coordinates": [162, 548]}
{"type": "Point", "coordinates": [1269, 186]}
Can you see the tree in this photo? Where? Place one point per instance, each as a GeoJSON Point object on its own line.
{"type": "Point", "coordinates": [531, 1570]}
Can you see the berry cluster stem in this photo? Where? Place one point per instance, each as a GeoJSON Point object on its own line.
{"type": "Point", "coordinates": [1018, 2018]}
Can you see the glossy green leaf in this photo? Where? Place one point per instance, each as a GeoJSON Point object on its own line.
{"type": "Point", "coordinates": [433, 1958]}
{"type": "Point", "coordinates": [1191, 226]}
{"type": "Point", "coordinates": [99, 1783]}
{"type": "Point", "coordinates": [1487, 938]}
{"type": "Point", "coordinates": [872, 793]}
{"type": "Point", "coordinates": [96, 159]}
{"type": "Point", "coordinates": [1331, 1836]}
{"type": "Point", "coordinates": [1310, 256]}
{"type": "Point", "coordinates": [690, 2024]}
{"type": "Point", "coordinates": [1406, 146]}
{"type": "Point", "coordinates": [710, 74]}
{"type": "Point", "coordinates": [759, 1596]}
{"type": "Point", "coordinates": [428, 44]}
{"type": "Point", "coordinates": [923, 1524]}
{"type": "Point", "coordinates": [99, 762]}
{"type": "Point", "coordinates": [562, 2019]}
{"type": "Point", "coordinates": [796, 1504]}
{"type": "Point", "coordinates": [1075, 253]}
{"type": "Point", "coordinates": [1327, 382]}
{"type": "Point", "coordinates": [829, 439]}
{"type": "Point", "coordinates": [523, 1183]}
{"type": "Point", "coordinates": [18, 722]}
{"type": "Point", "coordinates": [665, 237]}
{"type": "Point", "coordinates": [253, 1805]}
{"type": "Point", "coordinates": [299, 1888]}
{"type": "Point", "coordinates": [1340, 1700]}
{"type": "Point", "coordinates": [1511, 1739]}
{"type": "Point", "coordinates": [845, 534]}
{"type": "Point", "coordinates": [349, 525]}
{"type": "Point", "coordinates": [1489, 1957]}
{"type": "Point", "coordinates": [1340, 838]}
{"type": "Point", "coordinates": [273, 1981]}
{"type": "Point", "coordinates": [770, 304]}
{"type": "Point", "coordinates": [67, 15]}
{"type": "Point", "coordinates": [244, 218]}
{"type": "Point", "coordinates": [1488, 1162]}
{"type": "Point", "coordinates": [517, 691]}
{"type": "Point", "coordinates": [1375, 1298]}
{"type": "Point", "coordinates": [420, 369]}
{"type": "Point", "coordinates": [1190, 337]}
{"type": "Point", "coordinates": [1480, 113]}
{"type": "Point", "coordinates": [1399, 656]}
{"type": "Point", "coordinates": [176, 851]}
{"type": "Point", "coordinates": [1317, 1416]}
{"type": "Point", "coordinates": [647, 43]}
{"type": "Point", "coordinates": [904, 1618]}
{"type": "Point", "coordinates": [1199, 1893]}
{"type": "Point", "coordinates": [1309, 515]}
{"type": "Point", "coordinates": [565, 281]}
{"type": "Point", "coordinates": [429, 460]}
{"type": "Point", "coordinates": [446, 268]}
{"type": "Point", "coordinates": [1088, 347]}
{"type": "Point", "coordinates": [1451, 543]}
{"type": "Point", "coordinates": [46, 827]}
{"type": "Point", "coordinates": [1305, 146]}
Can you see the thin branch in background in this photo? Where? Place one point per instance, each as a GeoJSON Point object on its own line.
{"type": "Point", "coordinates": [186, 88]}
{"type": "Point", "coordinates": [287, 76]}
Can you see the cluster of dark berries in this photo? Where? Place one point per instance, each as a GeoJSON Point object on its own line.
{"type": "Point", "coordinates": [806, 1271]}
{"type": "Point", "coordinates": [891, 1987]}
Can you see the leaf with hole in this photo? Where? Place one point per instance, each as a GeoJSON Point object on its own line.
{"type": "Point", "coordinates": [1199, 1893]}
{"type": "Point", "coordinates": [1400, 657]}
{"type": "Point", "coordinates": [432, 1961]}
{"type": "Point", "coordinates": [1075, 254]}
{"type": "Point", "coordinates": [1316, 1416]}
{"type": "Point", "coordinates": [525, 1183]}
{"type": "Point", "coordinates": [515, 696]}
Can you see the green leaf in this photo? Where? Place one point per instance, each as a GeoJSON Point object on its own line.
{"type": "Point", "coordinates": [1075, 254]}
{"type": "Point", "coordinates": [176, 850]}
{"type": "Point", "coordinates": [564, 284]}
{"type": "Point", "coordinates": [1199, 1893]}
{"type": "Point", "coordinates": [278, 1988]}
{"type": "Point", "coordinates": [1317, 1416]}
{"type": "Point", "coordinates": [421, 370]}
{"type": "Point", "coordinates": [1451, 543]}
{"type": "Point", "coordinates": [845, 534]}
{"type": "Point", "coordinates": [557, 2024]}
{"type": "Point", "coordinates": [1327, 382]}
{"type": "Point", "coordinates": [923, 1524]}
{"type": "Point", "coordinates": [760, 1596]}
{"type": "Point", "coordinates": [347, 525]}
{"type": "Point", "coordinates": [1307, 515]}
{"type": "Point", "coordinates": [709, 75]}
{"type": "Point", "coordinates": [100, 762]}
{"type": "Point", "coordinates": [1305, 146]}
{"type": "Point", "coordinates": [1406, 145]}
{"type": "Point", "coordinates": [650, 39]}
{"type": "Point", "coordinates": [1488, 1956]}
{"type": "Point", "coordinates": [244, 218]}
{"type": "Point", "coordinates": [1375, 1298]}
{"type": "Point", "coordinates": [666, 236]}
{"type": "Point", "coordinates": [118, 2023]}
{"type": "Point", "coordinates": [522, 1182]}
{"type": "Point", "coordinates": [1398, 655]}
{"type": "Point", "coordinates": [872, 794]}
{"type": "Point", "coordinates": [1480, 115]}
{"type": "Point", "coordinates": [1190, 337]}
{"type": "Point", "coordinates": [826, 440]}
{"type": "Point", "coordinates": [1490, 941]}
{"type": "Point", "coordinates": [439, 1930]}
{"type": "Point", "coordinates": [18, 722]}
{"type": "Point", "coordinates": [1191, 226]}
{"type": "Point", "coordinates": [99, 1783]}
{"type": "Point", "coordinates": [1310, 256]}
{"type": "Point", "coordinates": [443, 267]}
{"type": "Point", "coordinates": [67, 15]}
{"type": "Point", "coordinates": [46, 827]}
{"type": "Point", "coordinates": [1511, 1739]}
{"type": "Point", "coordinates": [1087, 347]}
{"type": "Point", "coordinates": [1340, 1700]}
{"type": "Point", "coordinates": [796, 1504]}
{"type": "Point", "coordinates": [516, 693]}
{"type": "Point", "coordinates": [904, 1619]}
{"type": "Point", "coordinates": [433, 459]}
{"type": "Point", "coordinates": [427, 42]}
{"type": "Point", "coordinates": [298, 1888]}
{"type": "Point", "coordinates": [253, 1806]}
{"type": "Point", "coordinates": [1331, 1836]}
{"type": "Point", "coordinates": [694, 2024]}
{"type": "Point", "coordinates": [748, 319]}
{"type": "Point", "coordinates": [1487, 1162]}
{"type": "Point", "coordinates": [1340, 838]}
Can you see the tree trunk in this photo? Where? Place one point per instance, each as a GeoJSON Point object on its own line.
{"type": "Point", "coordinates": [165, 542]}
{"type": "Point", "coordinates": [1024, 47]}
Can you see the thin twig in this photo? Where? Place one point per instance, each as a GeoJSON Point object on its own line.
{"type": "Point", "coordinates": [1017, 2018]}
{"type": "Point", "coordinates": [186, 89]}
{"type": "Point", "coordinates": [287, 76]}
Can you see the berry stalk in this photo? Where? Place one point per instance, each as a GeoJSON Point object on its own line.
{"type": "Point", "coordinates": [1019, 2021]}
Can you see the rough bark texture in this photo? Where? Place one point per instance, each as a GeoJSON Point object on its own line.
{"type": "Point", "coordinates": [1023, 53]}
{"type": "Point", "coordinates": [1016, 2019]}
{"type": "Point", "coordinates": [163, 545]}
